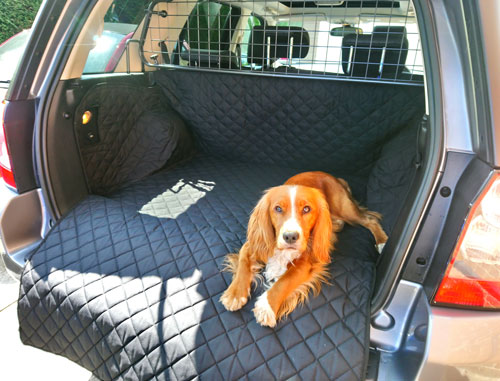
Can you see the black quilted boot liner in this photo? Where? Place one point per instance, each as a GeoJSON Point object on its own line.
{"type": "Point", "coordinates": [137, 134]}
{"type": "Point", "coordinates": [337, 126]}
{"type": "Point", "coordinates": [128, 286]}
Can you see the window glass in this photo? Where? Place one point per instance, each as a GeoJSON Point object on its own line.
{"type": "Point", "coordinates": [120, 23]}
{"type": "Point", "coordinates": [252, 21]}
{"type": "Point", "coordinates": [325, 53]}
{"type": "Point", "coordinates": [356, 39]}
{"type": "Point", "coordinates": [11, 52]}
{"type": "Point", "coordinates": [210, 26]}
{"type": "Point", "coordinates": [289, 23]}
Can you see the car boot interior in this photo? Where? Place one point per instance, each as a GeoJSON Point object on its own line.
{"type": "Point", "coordinates": [165, 168]}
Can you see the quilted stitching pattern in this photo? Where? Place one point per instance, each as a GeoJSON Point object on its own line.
{"type": "Point", "coordinates": [392, 174]}
{"type": "Point", "coordinates": [128, 286]}
{"type": "Point", "coordinates": [133, 143]}
{"type": "Point", "coordinates": [334, 125]}
{"type": "Point", "coordinates": [230, 201]}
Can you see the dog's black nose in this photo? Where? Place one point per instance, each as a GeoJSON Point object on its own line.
{"type": "Point", "coordinates": [290, 237]}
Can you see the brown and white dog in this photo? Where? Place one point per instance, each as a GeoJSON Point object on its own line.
{"type": "Point", "coordinates": [291, 233]}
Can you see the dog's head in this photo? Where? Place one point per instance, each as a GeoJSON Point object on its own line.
{"type": "Point", "coordinates": [292, 217]}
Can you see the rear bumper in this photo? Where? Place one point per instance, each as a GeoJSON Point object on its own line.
{"type": "Point", "coordinates": [6, 194]}
{"type": "Point", "coordinates": [24, 222]}
{"type": "Point", "coordinates": [462, 343]}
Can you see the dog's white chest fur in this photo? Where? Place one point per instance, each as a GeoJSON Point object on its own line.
{"type": "Point", "coordinates": [278, 264]}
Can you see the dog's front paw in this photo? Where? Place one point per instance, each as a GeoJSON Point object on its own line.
{"type": "Point", "coordinates": [231, 301]}
{"type": "Point", "coordinates": [263, 312]}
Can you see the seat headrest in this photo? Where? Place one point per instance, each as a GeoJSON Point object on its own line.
{"type": "Point", "coordinates": [388, 29]}
{"type": "Point", "coordinates": [281, 39]}
{"type": "Point", "coordinates": [211, 58]}
{"type": "Point", "coordinates": [380, 54]}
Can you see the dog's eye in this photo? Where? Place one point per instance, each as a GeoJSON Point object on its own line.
{"type": "Point", "coordinates": [306, 209]}
{"type": "Point", "coordinates": [278, 209]}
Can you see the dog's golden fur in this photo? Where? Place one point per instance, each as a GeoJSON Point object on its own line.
{"type": "Point", "coordinates": [318, 204]}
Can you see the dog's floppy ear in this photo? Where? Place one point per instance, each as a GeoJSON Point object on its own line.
{"type": "Point", "coordinates": [260, 232]}
{"type": "Point", "coordinates": [322, 233]}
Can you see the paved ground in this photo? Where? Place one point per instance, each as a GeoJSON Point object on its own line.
{"type": "Point", "coordinates": [18, 361]}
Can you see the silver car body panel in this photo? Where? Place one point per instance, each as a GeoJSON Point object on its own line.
{"type": "Point", "coordinates": [389, 327]}
{"type": "Point", "coordinates": [462, 343]}
{"type": "Point", "coordinates": [450, 333]}
{"type": "Point", "coordinates": [402, 345]}
{"type": "Point", "coordinates": [23, 225]}
{"type": "Point", "coordinates": [455, 115]}
{"type": "Point", "coordinates": [490, 15]}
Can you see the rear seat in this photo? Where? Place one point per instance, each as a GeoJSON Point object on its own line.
{"type": "Point", "coordinates": [381, 54]}
{"type": "Point", "coordinates": [270, 43]}
{"type": "Point", "coordinates": [223, 59]}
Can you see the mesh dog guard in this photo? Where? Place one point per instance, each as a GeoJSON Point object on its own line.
{"type": "Point", "coordinates": [350, 40]}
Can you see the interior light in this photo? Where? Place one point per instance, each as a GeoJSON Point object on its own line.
{"type": "Point", "coordinates": [87, 115]}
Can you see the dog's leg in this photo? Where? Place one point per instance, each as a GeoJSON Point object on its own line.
{"type": "Point", "coordinates": [343, 207]}
{"type": "Point", "coordinates": [238, 291]}
{"type": "Point", "coordinates": [371, 221]}
{"type": "Point", "coordinates": [354, 214]}
{"type": "Point", "coordinates": [290, 289]}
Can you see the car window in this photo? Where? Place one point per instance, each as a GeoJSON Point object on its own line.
{"type": "Point", "coordinates": [252, 21]}
{"type": "Point", "coordinates": [369, 40]}
{"type": "Point", "coordinates": [11, 52]}
{"type": "Point", "coordinates": [120, 23]}
{"type": "Point", "coordinates": [208, 29]}
{"type": "Point", "coordinates": [210, 26]}
{"type": "Point", "coordinates": [325, 55]}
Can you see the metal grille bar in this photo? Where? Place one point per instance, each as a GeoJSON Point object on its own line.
{"type": "Point", "coordinates": [350, 40]}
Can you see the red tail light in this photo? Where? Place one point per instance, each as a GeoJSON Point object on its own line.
{"type": "Point", "coordinates": [473, 274]}
{"type": "Point", "coordinates": [5, 165]}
